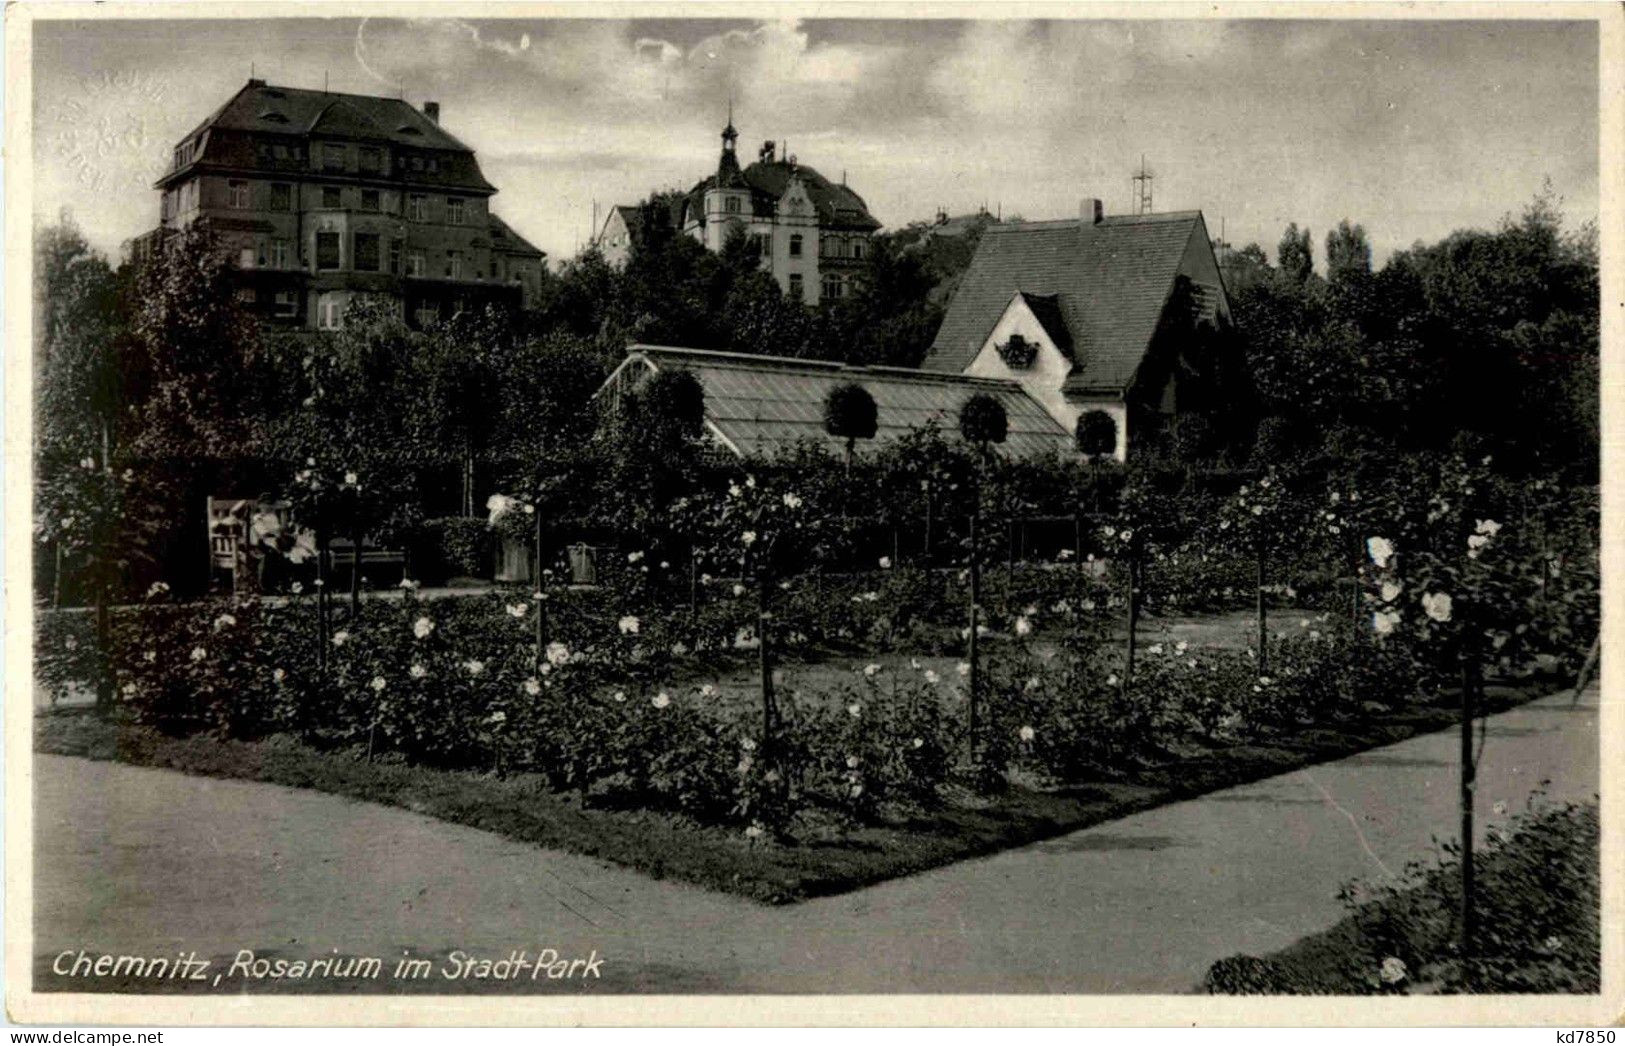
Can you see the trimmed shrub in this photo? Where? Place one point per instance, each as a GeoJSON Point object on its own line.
{"type": "Point", "coordinates": [453, 546]}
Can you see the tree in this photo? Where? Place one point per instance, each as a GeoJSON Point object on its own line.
{"type": "Point", "coordinates": [647, 455]}
{"type": "Point", "coordinates": [459, 372]}
{"type": "Point", "coordinates": [1348, 254]}
{"type": "Point", "coordinates": [675, 405]}
{"type": "Point", "coordinates": [1293, 256]}
{"type": "Point", "coordinates": [759, 318]}
{"type": "Point", "coordinates": [1245, 268]}
{"type": "Point", "coordinates": [198, 345]}
{"type": "Point", "coordinates": [1096, 434]}
{"type": "Point", "coordinates": [850, 415]}
{"type": "Point", "coordinates": [1194, 437]}
{"type": "Point", "coordinates": [982, 422]}
{"type": "Point", "coordinates": [346, 453]}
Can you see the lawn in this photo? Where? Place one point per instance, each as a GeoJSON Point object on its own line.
{"type": "Point", "coordinates": [739, 683]}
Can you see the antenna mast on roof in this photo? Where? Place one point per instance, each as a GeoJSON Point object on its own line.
{"type": "Point", "coordinates": [1142, 188]}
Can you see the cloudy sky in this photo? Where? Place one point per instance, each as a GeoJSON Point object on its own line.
{"type": "Point", "coordinates": [1411, 128]}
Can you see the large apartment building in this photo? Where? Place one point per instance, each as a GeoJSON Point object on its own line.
{"type": "Point", "coordinates": [322, 197]}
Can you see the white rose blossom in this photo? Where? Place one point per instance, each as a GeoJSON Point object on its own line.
{"type": "Point", "coordinates": [1437, 605]}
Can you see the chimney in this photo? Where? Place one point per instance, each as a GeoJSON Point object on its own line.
{"type": "Point", "coordinates": [432, 111]}
{"type": "Point", "coordinates": [1091, 210]}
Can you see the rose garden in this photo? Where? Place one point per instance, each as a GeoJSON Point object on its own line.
{"type": "Point", "coordinates": [799, 674]}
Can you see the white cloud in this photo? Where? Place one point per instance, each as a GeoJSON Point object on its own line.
{"type": "Point", "coordinates": [1261, 122]}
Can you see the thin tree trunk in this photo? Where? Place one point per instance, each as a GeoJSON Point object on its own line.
{"type": "Point", "coordinates": [541, 604]}
{"type": "Point", "coordinates": [1469, 695]}
{"type": "Point", "coordinates": [975, 626]}
{"type": "Point", "coordinates": [104, 644]}
{"type": "Point", "coordinates": [468, 481]}
{"type": "Point", "coordinates": [1263, 616]}
{"type": "Point", "coordinates": [56, 574]}
{"type": "Point", "coordinates": [928, 522]}
{"type": "Point", "coordinates": [1133, 621]}
{"type": "Point", "coordinates": [323, 622]}
{"type": "Point", "coordinates": [770, 707]}
{"type": "Point", "coordinates": [1009, 563]}
{"type": "Point", "coordinates": [355, 562]}
{"type": "Point", "coordinates": [1358, 574]}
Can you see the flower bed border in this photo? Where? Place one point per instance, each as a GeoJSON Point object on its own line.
{"type": "Point", "coordinates": [666, 845]}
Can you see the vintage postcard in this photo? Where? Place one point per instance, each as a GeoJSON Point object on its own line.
{"type": "Point", "coordinates": [628, 514]}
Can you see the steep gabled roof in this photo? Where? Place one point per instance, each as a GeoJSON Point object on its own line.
{"type": "Point", "coordinates": [758, 404]}
{"type": "Point", "coordinates": [1109, 282]}
{"type": "Point", "coordinates": [631, 217]}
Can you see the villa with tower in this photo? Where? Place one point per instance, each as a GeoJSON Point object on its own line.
{"type": "Point", "coordinates": [813, 234]}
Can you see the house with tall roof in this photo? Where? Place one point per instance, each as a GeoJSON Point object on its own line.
{"type": "Point", "coordinates": [812, 234]}
{"type": "Point", "coordinates": [322, 197]}
{"type": "Point", "coordinates": [1092, 313]}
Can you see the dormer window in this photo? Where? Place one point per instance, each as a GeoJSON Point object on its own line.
{"type": "Point", "coordinates": [1018, 353]}
{"type": "Point", "coordinates": [272, 116]}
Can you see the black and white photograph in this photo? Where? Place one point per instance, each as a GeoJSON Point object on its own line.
{"type": "Point", "coordinates": [552, 508]}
